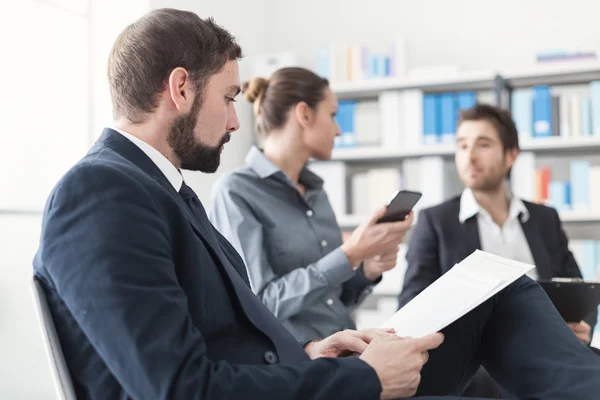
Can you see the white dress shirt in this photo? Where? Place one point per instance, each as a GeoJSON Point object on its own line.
{"type": "Point", "coordinates": [172, 174]}
{"type": "Point", "coordinates": [506, 241]}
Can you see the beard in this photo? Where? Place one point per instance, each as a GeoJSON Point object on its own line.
{"type": "Point", "coordinates": [193, 154]}
{"type": "Point", "coordinates": [489, 183]}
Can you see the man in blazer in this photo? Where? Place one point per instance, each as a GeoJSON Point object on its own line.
{"type": "Point", "coordinates": [148, 299]}
{"type": "Point", "coordinates": [151, 302]}
{"type": "Point", "coordinates": [487, 216]}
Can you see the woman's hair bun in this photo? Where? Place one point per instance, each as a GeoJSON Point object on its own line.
{"type": "Point", "coordinates": [254, 89]}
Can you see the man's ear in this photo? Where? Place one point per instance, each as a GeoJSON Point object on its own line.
{"type": "Point", "coordinates": [180, 89]}
{"type": "Point", "coordinates": [303, 114]}
{"type": "Point", "coordinates": [511, 157]}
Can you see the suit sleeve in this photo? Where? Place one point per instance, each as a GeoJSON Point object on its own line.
{"type": "Point", "coordinates": [422, 259]}
{"type": "Point", "coordinates": [285, 295]}
{"type": "Point", "coordinates": [110, 256]}
{"type": "Point", "coordinates": [569, 267]}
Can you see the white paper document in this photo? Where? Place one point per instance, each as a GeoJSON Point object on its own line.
{"type": "Point", "coordinates": [471, 282]}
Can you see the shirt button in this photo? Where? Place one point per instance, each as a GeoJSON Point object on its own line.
{"type": "Point", "coordinates": [323, 243]}
{"type": "Point", "coordinates": [329, 302]}
{"type": "Point", "coordinates": [270, 357]}
{"type": "Point", "coordinates": [310, 213]}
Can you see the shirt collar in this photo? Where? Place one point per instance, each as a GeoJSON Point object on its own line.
{"type": "Point", "coordinates": [172, 174]}
{"type": "Point", "coordinates": [260, 164]}
{"type": "Point", "coordinates": [469, 207]}
{"type": "Point", "coordinates": [265, 168]}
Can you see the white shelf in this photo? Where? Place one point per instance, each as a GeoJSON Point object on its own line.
{"type": "Point", "coordinates": [350, 220]}
{"type": "Point", "coordinates": [561, 144]}
{"type": "Point", "coordinates": [577, 216]}
{"type": "Point", "coordinates": [557, 73]}
{"type": "Point", "coordinates": [353, 220]}
{"type": "Point", "coordinates": [475, 80]}
{"type": "Point", "coordinates": [377, 153]}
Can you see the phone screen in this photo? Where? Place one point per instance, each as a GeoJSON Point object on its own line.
{"type": "Point", "coordinates": [400, 206]}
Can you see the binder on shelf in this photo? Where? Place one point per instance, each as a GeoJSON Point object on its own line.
{"type": "Point", "coordinates": [542, 111]}
{"type": "Point", "coordinates": [557, 195]}
{"type": "Point", "coordinates": [595, 98]}
{"type": "Point", "coordinates": [576, 116]}
{"type": "Point", "coordinates": [334, 175]}
{"type": "Point", "coordinates": [521, 109]}
{"type": "Point", "coordinates": [367, 128]}
{"type": "Point", "coordinates": [594, 189]}
{"type": "Point", "coordinates": [564, 110]}
{"type": "Point", "coordinates": [345, 119]}
{"type": "Point", "coordinates": [580, 180]}
{"type": "Point", "coordinates": [431, 125]}
{"type": "Point", "coordinates": [555, 116]}
{"type": "Point", "coordinates": [391, 112]}
{"type": "Point", "coordinates": [449, 110]}
{"type": "Point", "coordinates": [412, 118]}
{"type": "Point", "coordinates": [586, 116]}
{"type": "Point", "coordinates": [522, 178]}
{"type": "Point", "coordinates": [466, 100]}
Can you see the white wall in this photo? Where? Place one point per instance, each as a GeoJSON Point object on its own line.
{"type": "Point", "coordinates": [480, 34]}
{"type": "Point", "coordinates": [36, 155]}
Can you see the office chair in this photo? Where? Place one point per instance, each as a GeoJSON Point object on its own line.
{"type": "Point", "coordinates": [58, 366]}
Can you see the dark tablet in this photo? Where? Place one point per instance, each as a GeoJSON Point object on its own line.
{"type": "Point", "coordinates": [574, 300]}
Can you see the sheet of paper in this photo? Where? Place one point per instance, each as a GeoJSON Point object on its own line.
{"type": "Point", "coordinates": [467, 285]}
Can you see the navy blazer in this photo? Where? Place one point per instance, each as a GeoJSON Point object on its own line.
{"type": "Point", "coordinates": [144, 305]}
{"type": "Point", "coordinates": [439, 241]}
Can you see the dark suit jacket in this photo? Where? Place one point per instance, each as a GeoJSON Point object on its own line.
{"type": "Point", "coordinates": [143, 304]}
{"type": "Point", "coordinates": [439, 241]}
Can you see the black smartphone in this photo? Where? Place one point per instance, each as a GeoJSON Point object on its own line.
{"type": "Point", "coordinates": [400, 206]}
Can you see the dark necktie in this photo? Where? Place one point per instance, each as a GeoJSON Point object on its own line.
{"type": "Point", "coordinates": [288, 348]}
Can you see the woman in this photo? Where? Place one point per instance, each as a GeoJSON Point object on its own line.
{"type": "Point", "coordinates": [275, 212]}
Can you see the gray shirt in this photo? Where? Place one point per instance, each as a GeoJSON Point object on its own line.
{"type": "Point", "coordinates": [291, 247]}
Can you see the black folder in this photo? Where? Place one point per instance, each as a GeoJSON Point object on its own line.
{"type": "Point", "coordinates": [574, 299]}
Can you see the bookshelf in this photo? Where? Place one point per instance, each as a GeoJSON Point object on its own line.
{"type": "Point", "coordinates": [351, 221]}
{"type": "Point", "coordinates": [476, 80]}
{"type": "Point", "coordinates": [570, 73]}
{"type": "Point", "coordinates": [377, 153]}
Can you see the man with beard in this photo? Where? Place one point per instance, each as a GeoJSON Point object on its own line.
{"type": "Point", "coordinates": [488, 217]}
{"type": "Point", "coordinates": [151, 302]}
{"type": "Point", "coordinates": [148, 299]}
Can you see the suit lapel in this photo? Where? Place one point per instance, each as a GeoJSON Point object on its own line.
{"type": "Point", "coordinates": [538, 250]}
{"type": "Point", "coordinates": [117, 142]}
{"type": "Point", "coordinates": [471, 236]}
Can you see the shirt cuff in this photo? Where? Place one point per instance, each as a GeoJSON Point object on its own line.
{"type": "Point", "coordinates": [336, 268]}
{"type": "Point", "coordinates": [361, 279]}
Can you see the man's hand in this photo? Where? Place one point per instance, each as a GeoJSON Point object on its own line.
{"type": "Point", "coordinates": [582, 330]}
{"type": "Point", "coordinates": [345, 342]}
{"type": "Point", "coordinates": [374, 267]}
{"type": "Point", "coordinates": [398, 362]}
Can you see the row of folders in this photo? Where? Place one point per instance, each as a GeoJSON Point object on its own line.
{"type": "Point", "coordinates": [567, 185]}
{"type": "Point", "coordinates": [544, 111]}
{"type": "Point", "coordinates": [563, 183]}
{"type": "Point", "coordinates": [410, 118]}
{"type": "Point", "coordinates": [404, 119]}
{"type": "Point", "coordinates": [587, 255]}
{"type": "Point", "coordinates": [360, 62]}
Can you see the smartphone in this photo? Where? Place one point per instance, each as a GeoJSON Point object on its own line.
{"type": "Point", "coordinates": [400, 206]}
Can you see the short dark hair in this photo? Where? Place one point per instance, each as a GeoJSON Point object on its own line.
{"type": "Point", "coordinates": [274, 97]}
{"type": "Point", "coordinates": [500, 119]}
{"type": "Point", "coordinates": [148, 50]}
